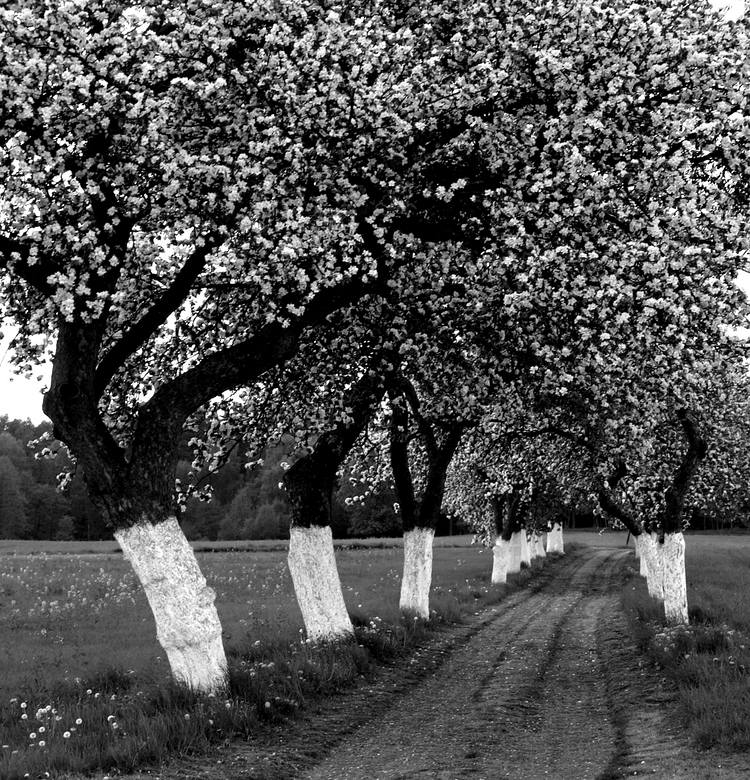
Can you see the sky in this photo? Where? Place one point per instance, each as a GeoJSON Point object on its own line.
{"type": "Point", "coordinates": [22, 398]}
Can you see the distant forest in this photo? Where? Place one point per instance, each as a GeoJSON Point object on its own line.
{"type": "Point", "coordinates": [246, 503]}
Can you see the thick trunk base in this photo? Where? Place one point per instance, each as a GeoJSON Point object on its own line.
{"type": "Point", "coordinates": [312, 564]}
{"type": "Point", "coordinates": [415, 585]}
{"type": "Point", "coordinates": [539, 547]}
{"type": "Point", "coordinates": [654, 577]}
{"type": "Point", "coordinates": [525, 550]}
{"type": "Point", "coordinates": [514, 552]}
{"type": "Point", "coordinates": [640, 542]}
{"type": "Point", "coordinates": [674, 580]}
{"type": "Point", "coordinates": [187, 623]}
{"type": "Point", "coordinates": [555, 540]}
{"type": "Point", "coordinates": [501, 554]}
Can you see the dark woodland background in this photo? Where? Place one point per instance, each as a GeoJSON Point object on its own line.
{"type": "Point", "coordinates": [246, 503]}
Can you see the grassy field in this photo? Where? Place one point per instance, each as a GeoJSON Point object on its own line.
{"type": "Point", "coordinates": [82, 664]}
{"type": "Point", "coordinates": [709, 661]}
{"type": "Point", "coordinates": [35, 547]}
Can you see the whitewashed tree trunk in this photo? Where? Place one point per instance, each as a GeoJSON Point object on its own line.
{"type": "Point", "coordinates": [312, 564]}
{"type": "Point", "coordinates": [674, 580]}
{"type": "Point", "coordinates": [555, 540]}
{"type": "Point", "coordinates": [514, 552]}
{"type": "Point", "coordinates": [637, 547]}
{"type": "Point", "coordinates": [654, 578]}
{"type": "Point", "coordinates": [539, 546]}
{"type": "Point", "coordinates": [501, 556]}
{"type": "Point", "coordinates": [640, 542]}
{"type": "Point", "coordinates": [415, 584]}
{"type": "Point", "coordinates": [187, 623]}
{"type": "Point", "coordinates": [525, 551]}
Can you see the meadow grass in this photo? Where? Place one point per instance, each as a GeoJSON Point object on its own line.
{"type": "Point", "coordinates": [709, 661]}
{"type": "Point", "coordinates": [86, 686]}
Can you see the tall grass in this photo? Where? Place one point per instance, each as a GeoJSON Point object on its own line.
{"type": "Point", "coordinates": [119, 709]}
{"type": "Point", "coordinates": [709, 661]}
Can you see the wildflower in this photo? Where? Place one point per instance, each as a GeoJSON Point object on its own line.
{"type": "Point", "coordinates": [187, 716]}
{"type": "Point", "coordinates": [89, 691]}
{"type": "Point", "coordinates": [115, 726]}
{"type": "Point", "coordinates": [42, 729]}
{"type": "Point", "coordinates": [268, 705]}
{"type": "Point", "coordinates": [23, 705]}
{"type": "Point", "coordinates": [32, 735]}
{"type": "Point", "coordinates": [66, 735]}
{"type": "Point", "coordinates": [42, 743]}
{"type": "Point", "coordinates": [24, 716]}
{"type": "Point", "coordinates": [110, 718]}
{"type": "Point", "coordinates": [78, 721]}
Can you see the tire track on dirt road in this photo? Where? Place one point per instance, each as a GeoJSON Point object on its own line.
{"type": "Point", "coordinates": [546, 684]}
{"type": "Point", "coordinates": [493, 705]}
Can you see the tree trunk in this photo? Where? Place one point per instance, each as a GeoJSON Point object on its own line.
{"type": "Point", "coordinates": [525, 551]}
{"type": "Point", "coordinates": [674, 580]}
{"type": "Point", "coordinates": [514, 556]}
{"type": "Point", "coordinates": [501, 556]}
{"type": "Point", "coordinates": [312, 564]}
{"type": "Point", "coordinates": [310, 485]}
{"type": "Point", "coordinates": [654, 576]}
{"type": "Point", "coordinates": [187, 623]}
{"type": "Point", "coordinates": [640, 542]}
{"type": "Point", "coordinates": [555, 540]}
{"type": "Point", "coordinates": [539, 546]}
{"type": "Point", "coordinates": [415, 585]}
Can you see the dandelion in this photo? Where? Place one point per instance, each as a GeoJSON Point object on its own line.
{"type": "Point", "coordinates": [32, 735]}
{"type": "Point", "coordinates": [42, 729]}
{"type": "Point", "coordinates": [110, 718]}
{"type": "Point", "coordinates": [89, 691]}
{"type": "Point", "coordinates": [66, 735]}
{"type": "Point", "coordinates": [79, 721]}
{"type": "Point", "coordinates": [42, 743]}
{"type": "Point", "coordinates": [24, 716]}
{"type": "Point", "coordinates": [23, 705]}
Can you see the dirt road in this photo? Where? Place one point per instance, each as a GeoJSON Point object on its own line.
{"type": "Point", "coordinates": [545, 685]}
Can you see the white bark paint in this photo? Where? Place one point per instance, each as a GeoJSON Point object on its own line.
{"type": "Point", "coordinates": [637, 547]}
{"type": "Point", "coordinates": [501, 556]}
{"type": "Point", "coordinates": [514, 552]}
{"type": "Point", "coordinates": [539, 547]}
{"type": "Point", "coordinates": [312, 564]}
{"type": "Point", "coordinates": [675, 584]}
{"type": "Point", "coordinates": [555, 540]}
{"type": "Point", "coordinates": [525, 551]}
{"type": "Point", "coordinates": [640, 542]}
{"type": "Point", "coordinates": [187, 624]}
{"type": "Point", "coordinates": [654, 578]}
{"type": "Point", "coordinates": [415, 584]}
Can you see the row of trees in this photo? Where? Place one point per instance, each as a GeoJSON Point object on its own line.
{"type": "Point", "coordinates": [481, 254]}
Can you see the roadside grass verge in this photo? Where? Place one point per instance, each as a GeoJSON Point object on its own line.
{"type": "Point", "coordinates": [114, 718]}
{"type": "Point", "coordinates": [709, 661]}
